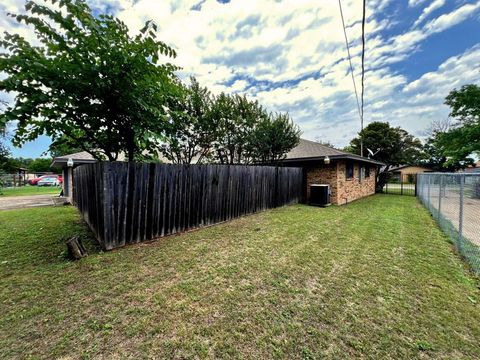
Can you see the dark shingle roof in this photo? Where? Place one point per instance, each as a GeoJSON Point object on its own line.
{"type": "Point", "coordinates": [81, 157]}
{"type": "Point", "coordinates": [307, 150]}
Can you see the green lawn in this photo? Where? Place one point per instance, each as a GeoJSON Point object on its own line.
{"type": "Point", "coordinates": [30, 190]}
{"type": "Point", "coordinates": [372, 279]}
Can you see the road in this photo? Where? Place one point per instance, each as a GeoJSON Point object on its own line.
{"type": "Point", "coordinates": [20, 202]}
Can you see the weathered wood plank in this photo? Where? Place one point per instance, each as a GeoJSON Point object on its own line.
{"type": "Point", "coordinates": [126, 203]}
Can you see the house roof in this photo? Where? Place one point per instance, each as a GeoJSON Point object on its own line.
{"type": "Point", "coordinates": [81, 157]}
{"type": "Point", "coordinates": [475, 168]}
{"type": "Point", "coordinates": [307, 150]}
{"type": "Point", "coordinates": [400, 167]}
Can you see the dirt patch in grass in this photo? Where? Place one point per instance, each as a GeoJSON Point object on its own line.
{"type": "Point", "coordinates": [375, 278]}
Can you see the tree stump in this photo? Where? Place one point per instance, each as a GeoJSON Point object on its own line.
{"type": "Point", "coordinates": [76, 250]}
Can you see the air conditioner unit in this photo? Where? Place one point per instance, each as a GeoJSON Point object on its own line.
{"type": "Point", "coordinates": [320, 195]}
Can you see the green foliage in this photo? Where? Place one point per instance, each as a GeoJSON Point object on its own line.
{"type": "Point", "coordinates": [192, 131]}
{"type": "Point", "coordinates": [273, 137]}
{"type": "Point", "coordinates": [395, 147]}
{"type": "Point", "coordinates": [40, 165]}
{"type": "Point", "coordinates": [463, 139]}
{"type": "Point", "coordinates": [465, 103]}
{"type": "Point", "coordinates": [226, 129]}
{"type": "Point", "coordinates": [87, 80]}
{"type": "Point", "coordinates": [435, 155]}
{"type": "Point", "coordinates": [63, 146]}
{"type": "Point", "coordinates": [235, 117]}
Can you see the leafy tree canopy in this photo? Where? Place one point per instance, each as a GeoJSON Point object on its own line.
{"type": "Point", "coordinates": [192, 131]}
{"type": "Point", "coordinates": [392, 145]}
{"type": "Point", "coordinates": [226, 129]}
{"type": "Point", "coordinates": [87, 80]}
{"type": "Point", "coordinates": [63, 146]}
{"type": "Point", "coordinates": [395, 146]}
{"type": "Point", "coordinates": [463, 138]}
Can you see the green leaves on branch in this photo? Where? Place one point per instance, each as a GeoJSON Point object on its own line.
{"type": "Point", "coordinates": [226, 129]}
{"type": "Point", "coordinates": [88, 80]}
{"type": "Point", "coordinates": [462, 140]}
{"type": "Point", "coordinates": [90, 85]}
{"type": "Point", "coordinates": [395, 146]}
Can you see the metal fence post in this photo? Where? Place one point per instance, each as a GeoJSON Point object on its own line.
{"type": "Point", "coordinates": [460, 217]}
{"type": "Point", "coordinates": [401, 184]}
{"type": "Point", "coordinates": [440, 185]}
{"type": "Point", "coordinates": [428, 193]}
{"type": "Point", "coordinates": [416, 185]}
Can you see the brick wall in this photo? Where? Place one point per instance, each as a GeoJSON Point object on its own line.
{"type": "Point", "coordinates": [353, 189]}
{"type": "Point", "coordinates": [342, 190]}
{"type": "Point", "coordinates": [325, 174]}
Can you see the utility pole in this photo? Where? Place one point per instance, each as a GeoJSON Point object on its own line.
{"type": "Point", "coordinates": [363, 73]}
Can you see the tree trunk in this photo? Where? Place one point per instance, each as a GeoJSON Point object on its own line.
{"type": "Point", "coordinates": [76, 250]}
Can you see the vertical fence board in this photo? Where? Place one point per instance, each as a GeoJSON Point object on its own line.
{"type": "Point", "coordinates": [126, 203]}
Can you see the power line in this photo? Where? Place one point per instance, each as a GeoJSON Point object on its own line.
{"type": "Point", "coordinates": [350, 61]}
{"type": "Point", "coordinates": [363, 70]}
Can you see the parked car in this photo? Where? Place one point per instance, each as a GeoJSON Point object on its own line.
{"type": "Point", "coordinates": [36, 180]}
{"type": "Point", "coordinates": [49, 181]}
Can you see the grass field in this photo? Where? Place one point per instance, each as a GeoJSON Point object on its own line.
{"type": "Point", "coordinates": [372, 279]}
{"type": "Point", "coordinates": [30, 190]}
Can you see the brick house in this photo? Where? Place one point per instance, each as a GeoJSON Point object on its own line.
{"type": "Point", "coordinates": [350, 176]}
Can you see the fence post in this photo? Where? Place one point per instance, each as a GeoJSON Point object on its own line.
{"type": "Point", "coordinates": [401, 184]}
{"type": "Point", "coordinates": [416, 184]}
{"type": "Point", "coordinates": [460, 217]}
{"type": "Point", "coordinates": [440, 184]}
{"type": "Point", "coordinates": [428, 193]}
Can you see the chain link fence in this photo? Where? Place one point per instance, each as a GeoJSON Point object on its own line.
{"type": "Point", "coordinates": [454, 201]}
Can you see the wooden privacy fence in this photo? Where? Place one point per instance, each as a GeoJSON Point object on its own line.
{"type": "Point", "coordinates": [126, 203]}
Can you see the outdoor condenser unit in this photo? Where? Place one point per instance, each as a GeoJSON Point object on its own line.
{"type": "Point", "coordinates": [320, 194]}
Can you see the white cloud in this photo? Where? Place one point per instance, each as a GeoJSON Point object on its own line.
{"type": "Point", "coordinates": [291, 56]}
{"type": "Point", "coordinates": [413, 3]}
{"type": "Point", "coordinates": [436, 4]}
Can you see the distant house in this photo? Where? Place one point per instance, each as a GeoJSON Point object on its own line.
{"type": "Point", "coordinates": [67, 163]}
{"type": "Point", "coordinates": [475, 168]}
{"type": "Point", "coordinates": [350, 176]}
{"type": "Point", "coordinates": [404, 171]}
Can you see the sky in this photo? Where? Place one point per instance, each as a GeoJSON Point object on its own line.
{"type": "Point", "coordinates": [290, 55]}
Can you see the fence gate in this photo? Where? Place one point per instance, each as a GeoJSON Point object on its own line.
{"type": "Point", "coordinates": [401, 184]}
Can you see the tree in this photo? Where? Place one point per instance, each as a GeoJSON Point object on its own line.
{"type": "Point", "coordinates": [235, 118]}
{"type": "Point", "coordinates": [193, 130]}
{"type": "Point", "coordinates": [63, 146]}
{"type": "Point", "coordinates": [396, 147]}
{"type": "Point", "coordinates": [87, 80]}
{"type": "Point", "coordinates": [433, 152]}
{"type": "Point", "coordinates": [324, 142]}
{"type": "Point", "coordinates": [463, 138]}
{"type": "Point", "coordinates": [272, 138]}
{"type": "Point", "coordinates": [40, 165]}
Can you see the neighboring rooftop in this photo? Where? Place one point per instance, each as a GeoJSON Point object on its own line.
{"type": "Point", "coordinates": [82, 157]}
{"type": "Point", "coordinates": [307, 150]}
{"type": "Point", "coordinates": [400, 167]}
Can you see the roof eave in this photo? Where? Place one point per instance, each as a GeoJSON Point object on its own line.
{"type": "Point", "coordinates": [336, 157]}
{"type": "Point", "coordinates": [60, 162]}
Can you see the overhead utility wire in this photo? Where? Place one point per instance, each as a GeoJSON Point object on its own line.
{"type": "Point", "coordinates": [363, 70]}
{"type": "Point", "coordinates": [350, 61]}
